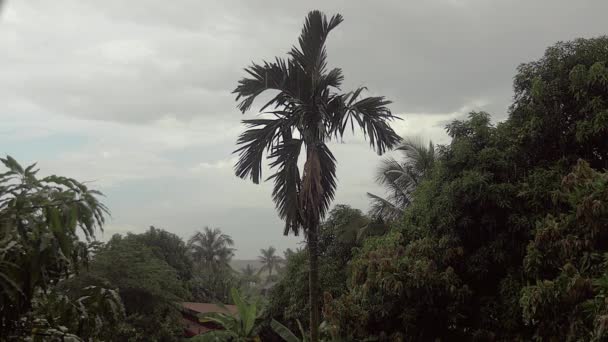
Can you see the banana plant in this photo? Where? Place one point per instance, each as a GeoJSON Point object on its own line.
{"type": "Point", "coordinates": [287, 334]}
{"type": "Point", "coordinates": [242, 327]}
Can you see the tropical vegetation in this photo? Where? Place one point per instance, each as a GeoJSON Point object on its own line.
{"type": "Point", "coordinates": [500, 234]}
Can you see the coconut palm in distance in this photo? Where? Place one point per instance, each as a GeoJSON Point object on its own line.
{"type": "Point", "coordinates": [270, 261]}
{"type": "Point", "coordinates": [400, 178]}
{"type": "Point", "coordinates": [211, 249]}
{"type": "Point", "coordinates": [305, 113]}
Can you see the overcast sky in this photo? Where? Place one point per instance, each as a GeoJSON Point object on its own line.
{"type": "Point", "coordinates": [135, 96]}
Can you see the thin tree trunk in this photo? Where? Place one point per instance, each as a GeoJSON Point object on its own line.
{"type": "Point", "coordinates": [313, 284]}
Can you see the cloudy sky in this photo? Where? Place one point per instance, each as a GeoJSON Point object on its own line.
{"type": "Point", "coordinates": [135, 96]}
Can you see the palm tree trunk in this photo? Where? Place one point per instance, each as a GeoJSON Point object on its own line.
{"type": "Point", "coordinates": [313, 284]}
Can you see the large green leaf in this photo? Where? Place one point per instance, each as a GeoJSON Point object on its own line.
{"type": "Point", "coordinates": [284, 332]}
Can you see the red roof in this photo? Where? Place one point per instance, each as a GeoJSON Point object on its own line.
{"type": "Point", "coordinates": [209, 307]}
{"type": "Point", "coordinates": [193, 325]}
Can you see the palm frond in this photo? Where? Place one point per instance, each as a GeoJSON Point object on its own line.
{"type": "Point", "coordinates": [421, 157]}
{"type": "Point", "coordinates": [266, 76]}
{"type": "Point", "coordinates": [373, 116]}
{"type": "Point", "coordinates": [383, 208]}
{"type": "Point", "coordinates": [287, 181]}
{"type": "Point", "coordinates": [257, 138]}
{"type": "Point", "coordinates": [311, 54]}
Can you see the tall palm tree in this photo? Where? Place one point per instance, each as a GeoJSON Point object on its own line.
{"type": "Point", "coordinates": [400, 178]}
{"type": "Point", "coordinates": [249, 276]}
{"type": "Point", "coordinates": [211, 249]}
{"type": "Point", "coordinates": [305, 113]}
{"type": "Point", "coordinates": [248, 271]}
{"type": "Point", "coordinates": [270, 261]}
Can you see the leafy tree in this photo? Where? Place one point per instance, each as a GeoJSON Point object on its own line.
{"type": "Point", "coordinates": [40, 219]}
{"type": "Point", "coordinates": [400, 179]}
{"type": "Point", "coordinates": [483, 223]}
{"type": "Point", "coordinates": [148, 286]}
{"type": "Point", "coordinates": [270, 261]}
{"type": "Point", "coordinates": [567, 262]}
{"type": "Point", "coordinates": [561, 104]}
{"type": "Point", "coordinates": [168, 247]}
{"type": "Point", "coordinates": [306, 113]}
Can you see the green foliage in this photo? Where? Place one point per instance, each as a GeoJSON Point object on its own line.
{"type": "Point", "coordinates": [87, 313]}
{"type": "Point", "coordinates": [286, 334]}
{"type": "Point", "coordinates": [241, 327]}
{"type": "Point", "coordinates": [490, 218]}
{"type": "Point", "coordinates": [40, 219]}
{"type": "Point", "coordinates": [568, 260]}
{"type": "Point", "coordinates": [561, 103]}
{"type": "Point", "coordinates": [288, 301]}
{"type": "Point", "coordinates": [170, 248]}
{"type": "Point", "coordinates": [148, 286]}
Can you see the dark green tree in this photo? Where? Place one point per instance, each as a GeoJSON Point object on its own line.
{"type": "Point", "coordinates": [305, 113]}
{"type": "Point", "coordinates": [567, 263]}
{"type": "Point", "coordinates": [170, 248]}
{"type": "Point", "coordinates": [484, 222]}
{"type": "Point", "coordinates": [149, 287]}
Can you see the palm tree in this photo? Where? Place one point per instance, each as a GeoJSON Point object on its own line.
{"type": "Point", "coordinates": [306, 112]}
{"type": "Point", "coordinates": [249, 276]}
{"type": "Point", "coordinates": [400, 179]}
{"type": "Point", "coordinates": [248, 271]}
{"type": "Point", "coordinates": [211, 249]}
{"type": "Point", "coordinates": [270, 261]}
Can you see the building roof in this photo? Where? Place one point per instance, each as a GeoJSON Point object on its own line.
{"type": "Point", "coordinates": [194, 328]}
{"type": "Point", "coordinates": [208, 307]}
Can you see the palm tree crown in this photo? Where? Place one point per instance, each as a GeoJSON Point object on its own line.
{"type": "Point", "coordinates": [306, 112]}
{"type": "Point", "coordinates": [211, 249]}
{"type": "Point", "coordinates": [248, 271]}
{"type": "Point", "coordinates": [270, 261]}
{"type": "Point", "coordinates": [400, 178]}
